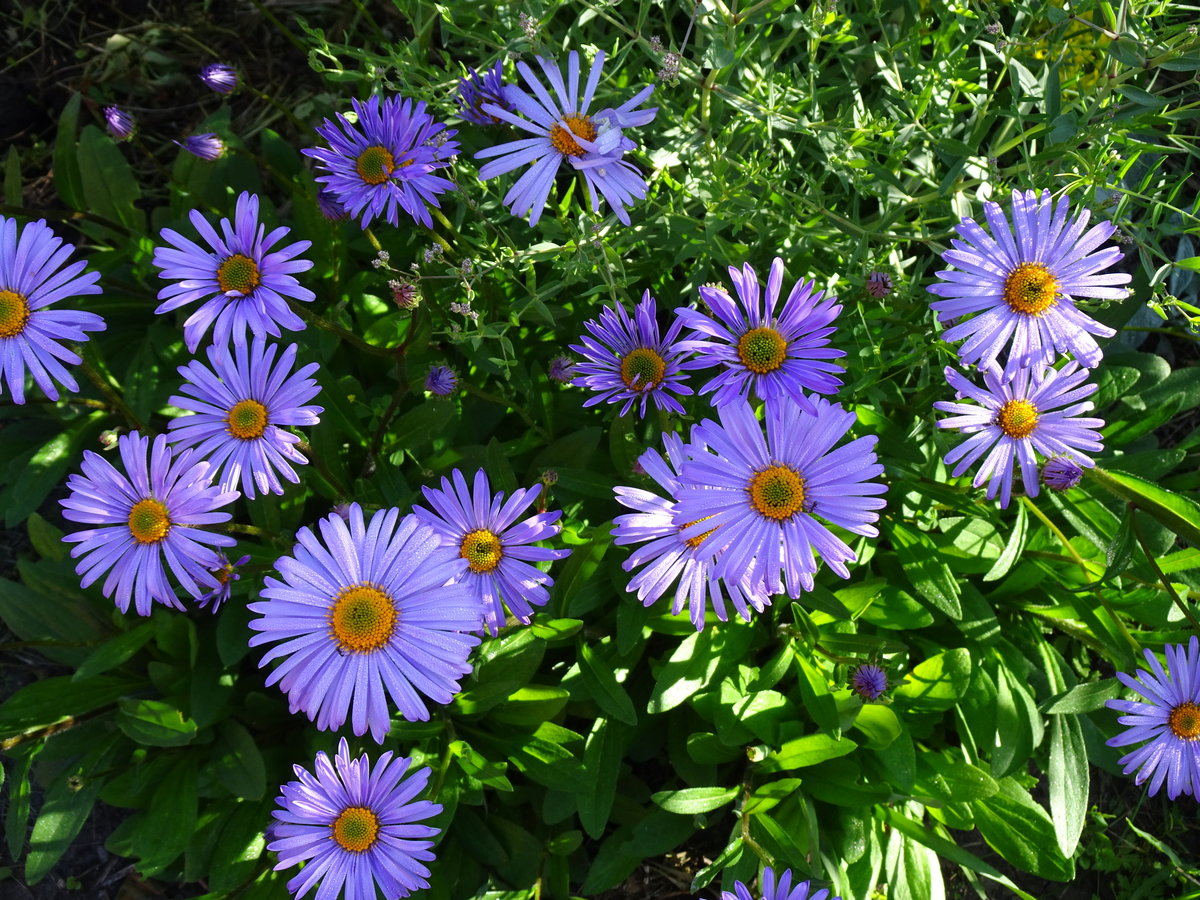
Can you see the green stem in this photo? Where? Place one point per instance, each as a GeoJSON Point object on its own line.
{"type": "Point", "coordinates": [115, 400]}
{"type": "Point", "coordinates": [348, 336]}
{"type": "Point", "coordinates": [507, 404]}
{"type": "Point", "coordinates": [1166, 583]}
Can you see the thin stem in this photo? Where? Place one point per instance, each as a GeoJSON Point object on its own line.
{"type": "Point", "coordinates": [114, 399]}
{"type": "Point", "coordinates": [377, 438]}
{"type": "Point", "coordinates": [507, 404]}
{"type": "Point", "coordinates": [1141, 539]}
{"type": "Point", "coordinates": [348, 336]}
{"type": "Point", "coordinates": [319, 464]}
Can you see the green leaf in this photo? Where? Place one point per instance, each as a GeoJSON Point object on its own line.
{"type": "Point", "coordinates": [814, 690]}
{"type": "Point", "coordinates": [109, 186]}
{"type": "Point", "coordinates": [240, 764]}
{"type": "Point", "coordinates": [602, 764]}
{"type": "Point", "coordinates": [1180, 514]}
{"type": "Point", "coordinates": [55, 700]}
{"type": "Point", "coordinates": [1013, 547]}
{"type": "Point", "coordinates": [807, 751]}
{"type": "Point", "coordinates": [532, 704]}
{"type": "Point", "coordinates": [878, 724]}
{"type": "Point", "coordinates": [727, 857]}
{"type": "Point", "coordinates": [937, 683]}
{"type": "Point", "coordinates": [1069, 781]}
{"type": "Point", "coordinates": [67, 806]}
{"type": "Point", "coordinates": [1083, 698]}
{"type": "Point", "coordinates": [167, 825]}
{"type": "Point", "coordinates": [602, 684]}
{"type": "Point", "coordinates": [1021, 831]}
{"type": "Point", "coordinates": [932, 578]}
{"type": "Point", "coordinates": [67, 180]}
{"type": "Point", "coordinates": [700, 660]}
{"type": "Point", "coordinates": [114, 651]}
{"type": "Point", "coordinates": [20, 790]}
{"type": "Point", "coordinates": [1018, 724]}
{"type": "Point", "coordinates": [690, 801]}
{"type": "Point", "coordinates": [47, 539]}
{"type": "Point", "coordinates": [155, 723]}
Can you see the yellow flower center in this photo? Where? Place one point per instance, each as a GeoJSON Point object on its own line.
{"type": "Point", "coordinates": [564, 140]}
{"type": "Point", "coordinates": [375, 164]}
{"type": "Point", "coordinates": [149, 521]}
{"type": "Point", "coordinates": [481, 549]}
{"type": "Point", "coordinates": [1030, 289]}
{"type": "Point", "coordinates": [694, 542]}
{"type": "Point", "coordinates": [247, 420]}
{"type": "Point", "coordinates": [642, 369]}
{"type": "Point", "coordinates": [356, 828]}
{"type": "Point", "coordinates": [1017, 418]}
{"type": "Point", "coordinates": [762, 350]}
{"type": "Point", "coordinates": [363, 618]}
{"type": "Point", "coordinates": [239, 273]}
{"type": "Point", "coordinates": [777, 492]}
{"type": "Point", "coordinates": [1185, 721]}
{"type": "Point", "coordinates": [14, 313]}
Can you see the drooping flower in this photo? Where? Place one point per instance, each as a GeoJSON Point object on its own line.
{"type": "Point", "coordinates": [562, 369]}
{"type": "Point", "coordinates": [441, 381]}
{"type": "Point", "coordinates": [119, 123]}
{"type": "Point", "coordinates": [498, 549]}
{"type": "Point", "coordinates": [1037, 410]}
{"type": "Point", "coordinates": [774, 356]}
{"type": "Point", "coordinates": [208, 146]}
{"type": "Point", "coordinates": [152, 514]}
{"type": "Point", "coordinates": [385, 160]}
{"type": "Point", "coordinates": [869, 681]}
{"type": "Point", "coordinates": [563, 129]}
{"type": "Point", "coordinates": [364, 613]}
{"type": "Point", "coordinates": [879, 284]}
{"type": "Point", "coordinates": [357, 826]}
{"type": "Point", "coordinates": [781, 890]}
{"type": "Point", "coordinates": [220, 77]}
{"type": "Point", "coordinates": [226, 574]}
{"type": "Point", "coordinates": [32, 279]}
{"type": "Point", "coordinates": [1168, 718]}
{"type": "Point", "coordinates": [628, 360]}
{"type": "Point", "coordinates": [242, 281]}
{"type": "Point", "coordinates": [1023, 281]}
{"type": "Point", "coordinates": [759, 497]}
{"type": "Point", "coordinates": [670, 559]}
{"type": "Point", "coordinates": [330, 207]}
{"type": "Point", "coordinates": [476, 90]}
{"type": "Point", "coordinates": [242, 402]}
{"type": "Point", "coordinates": [1061, 473]}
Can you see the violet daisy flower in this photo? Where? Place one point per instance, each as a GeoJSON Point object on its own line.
{"type": "Point", "coordinates": [627, 360]}
{"type": "Point", "coordinates": [240, 404]}
{"type": "Point", "coordinates": [220, 77]}
{"type": "Point", "coordinates": [563, 130]}
{"type": "Point", "coordinates": [476, 90]}
{"type": "Point", "coordinates": [1024, 282]}
{"type": "Point", "coordinates": [1168, 718]}
{"type": "Point", "coordinates": [330, 208]}
{"type": "Point", "coordinates": [365, 613]}
{"type": "Point", "coordinates": [562, 369]}
{"type": "Point", "coordinates": [868, 681]}
{"type": "Point", "coordinates": [441, 381]}
{"type": "Point", "coordinates": [497, 548]}
{"type": "Point", "coordinates": [242, 281]}
{"type": "Point", "coordinates": [1015, 418]}
{"type": "Point", "coordinates": [226, 575]}
{"type": "Point", "coordinates": [781, 890]}
{"type": "Point", "coordinates": [669, 557]}
{"type": "Point", "coordinates": [1061, 473]}
{"type": "Point", "coordinates": [386, 160]}
{"type": "Point", "coordinates": [32, 279]}
{"type": "Point", "coordinates": [357, 824]}
{"type": "Point", "coordinates": [119, 123]}
{"type": "Point", "coordinates": [147, 516]}
{"type": "Point", "coordinates": [208, 146]}
{"type": "Point", "coordinates": [879, 284]}
{"type": "Point", "coordinates": [777, 356]}
{"type": "Point", "coordinates": [760, 496]}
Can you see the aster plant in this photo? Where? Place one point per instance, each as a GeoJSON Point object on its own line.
{"type": "Point", "coordinates": [358, 827]}
{"type": "Point", "coordinates": [365, 612]}
{"type": "Point", "coordinates": [242, 404]}
{"type": "Point", "coordinates": [226, 574]}
{"type": "Point", "coordinates": [781, 889]}
{"type": "Point", "coordinates": [153, 514]}
{"type": "Point", "coordinates": [208, 146]}
{"type": "Point", "coordinates": [563, 129]}
{"type": "Point", "coordinates": [219, 77]}
{"type": "Point", "coordinates": [119, 123]}
{"type": "Point", "coordinates": [869, 681]}
{"type": "Point", "coordinates": [35, 275]}
{"type": "Point", "coordinates": [241, 281]}
{"type": "Point", "coordinates": [1023, 281]}
{"type": "Point", "coordinates": [477, 89]}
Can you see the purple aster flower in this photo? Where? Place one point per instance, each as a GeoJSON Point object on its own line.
{"type": "Point", "coordinates": [1024, 282]}
{"type": "Point", "coordinates": [241, 404]}
{"type": "Point", "coordinates": [243, 282]}
{"type": "Point", "coordinates": [226, 576]}
{"type": "Point", "coordinates": [782, 890]}
{"type": "Point", "coordinates": [385, 160]}
{"type": "Point", "coordinates": [143, 518]}
{"type": "Point", "coordinates": [220, 77]}
{"type": "Point", "coordinates": [1061, 473]}
{"type": "Point", "coordinates": [627, 360]}
{"type": "Point", "coordinates": [879, 284]}
{"type": "Point", "coordinates": [209, 147]}
{"type": "Point", "coordinates": [367, 612]}
{"type": "Point", "coordinates": [563, 130]}
{"type": "Point", "coordinates": [562, 369]}
{"type": "Point", "coordinates": [441, 381]}
{"type": "Point", "coordinates": [1168, 718]}
{"type": "Point", "coordinates": [868, 681]}
{"type": "Point", "coordinates": [778, 356]}
{"type": "Point", "coordinates": [357, 825]}
{"type": "Point", "coordinates": [119, 123]}
{"type": "Point", "coordinates": [476, 90]}
{"type": "Point", "coordinates": [32, 279]}
{"type": "Point", "coordinates": [329, 206]}
{"type": "Point", "coordinates": [497, 548]}
{"type": "Point", "coordinates": [669, 558]}
{"type": "Point", "coordinates": [760, 496]}
{"type": "Point", "coordinates": [1014, 418]}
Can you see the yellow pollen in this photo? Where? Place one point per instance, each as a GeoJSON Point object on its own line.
{"type": "Point", "coordinates": [356, 828]}
{"type": "Point", "coordinates": [363, 618]}
{"type": "Point", "coordinates": [375, 164]}
{"type": "Point", "coordinates": [777, 492]}
{"type": "Point", "coordinates": [14, 313]}
{"type": "Point", "coordinates": [1017, 418]}
{"type": "Point", "coordinates": [564, 140]}
{"type": "Point", "coordinates": [1184, 721]}
{"type": "Point", "coordinates": [149, 521]}
{"type": "Point", "coordinates": [1030, 289]}
{"type": "Point", "coordinates": [694, 542]}
{"type": "Point", "coordinates": [482, 551]}
{"type": "Point", "coordinates": [247, 420]}
{"type": "Point", "coordinates": [407, 162]}
{"type": "Point", "coordinates": [642, 369]}
{"type": "Point", "coordinates": [239, 274]}
{"type": "Point", "coordinates": [762, 350]}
